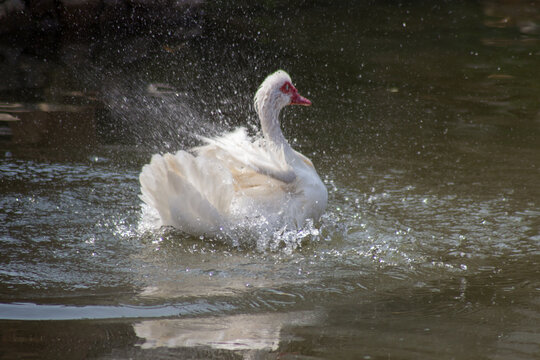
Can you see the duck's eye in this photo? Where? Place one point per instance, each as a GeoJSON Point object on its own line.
{"type": "Point", "coordinates": [286, 88]}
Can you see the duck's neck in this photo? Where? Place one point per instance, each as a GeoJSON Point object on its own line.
{"type": "Point", "coordinates": [269, 117]}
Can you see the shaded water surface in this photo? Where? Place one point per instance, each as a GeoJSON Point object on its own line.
{"type": "Point", "coordinates": [425, 127]}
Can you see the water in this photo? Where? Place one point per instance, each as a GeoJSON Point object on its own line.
{"type": "Point", "coordinates": [425, 129]}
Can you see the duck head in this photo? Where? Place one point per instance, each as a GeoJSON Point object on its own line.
{"type": "Point", "coordinates": [277, 91]}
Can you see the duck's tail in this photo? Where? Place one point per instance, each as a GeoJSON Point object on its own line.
{"type": "Point", "coordinates": [190, 193]}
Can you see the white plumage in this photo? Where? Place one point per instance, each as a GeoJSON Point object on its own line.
{"type": "Point", "coordinates": [233, 177]}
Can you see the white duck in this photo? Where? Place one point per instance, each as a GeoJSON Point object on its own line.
{"type": "Point", "coordinates": [233, 177]}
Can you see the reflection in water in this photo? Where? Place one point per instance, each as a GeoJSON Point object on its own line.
{"type": "Point", "coordinates": [238, 332]}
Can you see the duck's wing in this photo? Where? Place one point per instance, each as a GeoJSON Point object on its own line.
{"type": "Point", "coordinates": [190, 193]}
{"type": "Point", "coordinates": [246, 157]}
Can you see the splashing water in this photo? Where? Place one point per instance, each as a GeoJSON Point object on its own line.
{"type": "Point", "coordinates": [258, 232]}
